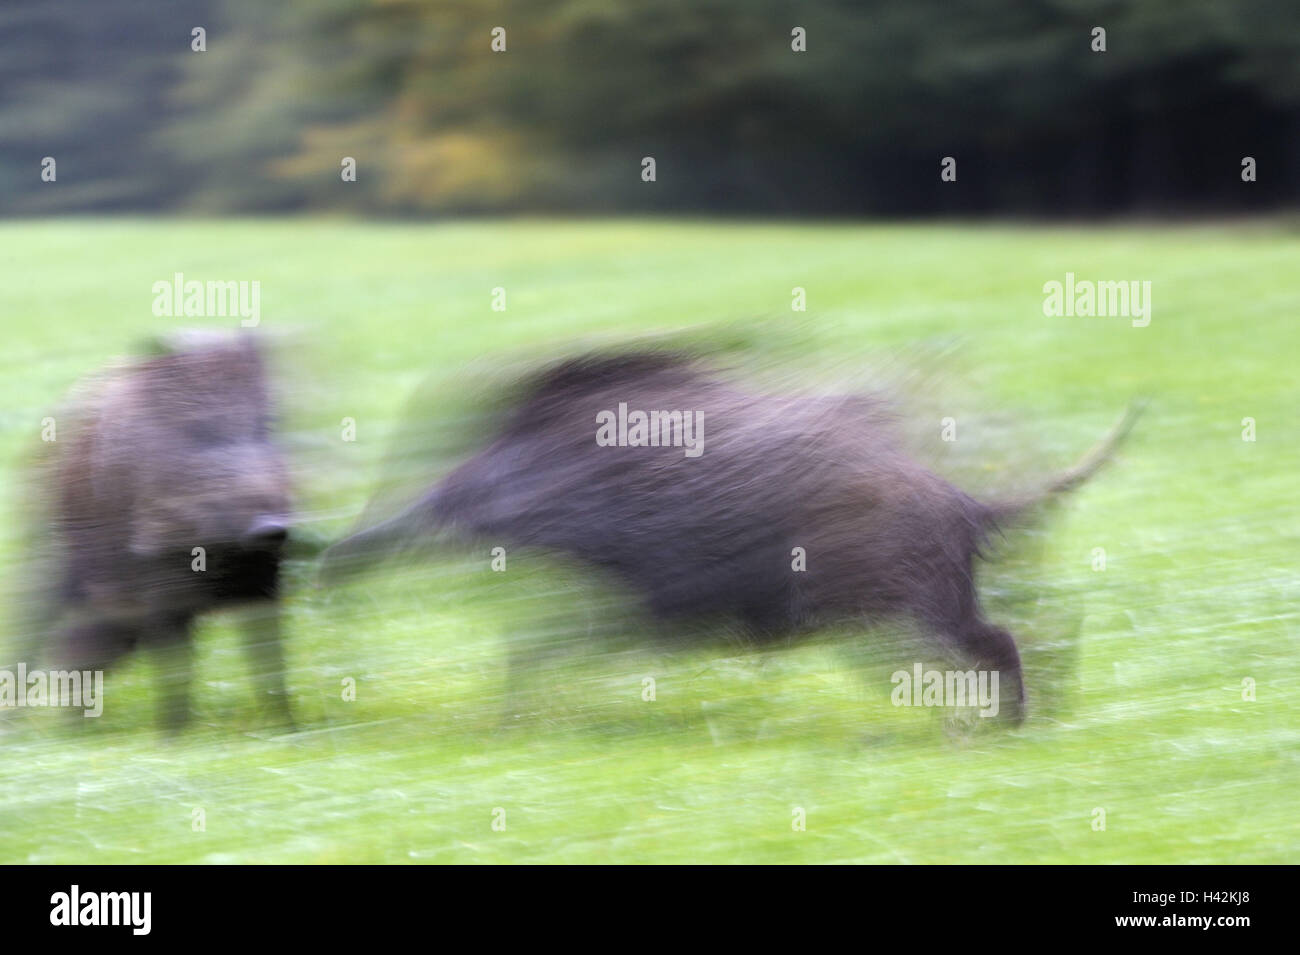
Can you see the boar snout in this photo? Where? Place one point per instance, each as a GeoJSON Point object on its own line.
{"type": "Point", "coordinates": [265, 533]}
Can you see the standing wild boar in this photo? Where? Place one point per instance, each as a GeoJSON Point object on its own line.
{"type": "Point", "coordinates": [780, 513]}
{"type": "Point", "coordinates": [168, 498]}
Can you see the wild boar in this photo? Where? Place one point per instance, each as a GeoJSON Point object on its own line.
{"type": "Point", "coordinates": [781, 513]}
{"type": "Point", "coordinates": [168, 498]}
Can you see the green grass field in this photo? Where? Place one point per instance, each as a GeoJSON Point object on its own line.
{"type": "Point", "coordinates": [1135, 673]}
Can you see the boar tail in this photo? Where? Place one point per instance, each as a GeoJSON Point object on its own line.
{"type": "Point", "coordinates": [1009, 509]}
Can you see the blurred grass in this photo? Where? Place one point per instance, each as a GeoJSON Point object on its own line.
{"type": "Point", "coordinates": [1135, 673]}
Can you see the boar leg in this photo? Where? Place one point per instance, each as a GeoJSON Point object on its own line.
{"type": "Point", "coordinates": [266, 659]}
{"type": "Point", "coordinates": [172, 644]}
{"type": "Point", "coordinates": [993, 648]}
{"type": "Point", "coordinates": [87, 643]}
{"type": "Point", "coordinates": [955, 618]}
{"type": "Point", "coordinates": [93, 644]}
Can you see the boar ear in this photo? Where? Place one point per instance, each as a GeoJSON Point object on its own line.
{"type": "Point", "coordinates": [147, 536]}
{"type": "Point", "coordinates": [180, 340]}
{"type": "Point", "coordinates": [156, 347]}
{"type": "Point", "coordinates": [157, 527]}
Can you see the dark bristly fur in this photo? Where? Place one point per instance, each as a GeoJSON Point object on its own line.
{"type": "Point", "coordinates": [152, 460]}
{"type": "Point", "coordinates": [712, 536]}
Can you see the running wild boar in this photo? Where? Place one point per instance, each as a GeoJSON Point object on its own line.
{"type": "Point", "coordinates": [712, 502]}
{"type": "Point", "coordinates": [168, 498]}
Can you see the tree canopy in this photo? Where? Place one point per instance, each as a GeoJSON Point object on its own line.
{"type": "Point", "coordinates": [1038, 120]}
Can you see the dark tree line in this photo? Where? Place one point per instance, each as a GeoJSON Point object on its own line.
{"type": "Point", "coordinates": [1037, 120]}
